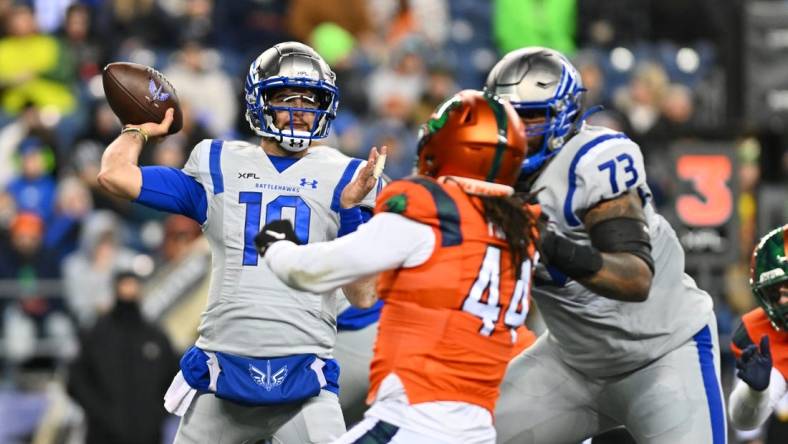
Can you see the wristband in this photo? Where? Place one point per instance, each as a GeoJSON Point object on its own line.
{"type": "Point", "coordinates": [571, 258]}
{"type": "Point", "coordinates": [134, 129]}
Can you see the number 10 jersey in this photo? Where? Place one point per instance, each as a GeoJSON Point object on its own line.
{"type": "Point", "coordinates": [250, 312]}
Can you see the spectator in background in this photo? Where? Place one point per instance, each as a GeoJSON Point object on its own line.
{"type": "Point", "coordinates": [77, 39]}
{"type": "Point", "coordinates": [397, 20]}
{"type": "Point", "coordinates": [642, 99]}
{"type": "Point", "coordinates": [197, 22]}
{"type": "Point", "coordinates": [401, 142]}
{"type": "Point", "coordinates": [303, 16]}
{"type": "Point", "coordinates": [25, 262]}
{"type": "Point", "coordinates": [73, 204]}
{"type": "Point", "coordinates": [31, 68]}
{"type": "Point", "coordinates": [519, 23]}
{"type": "Point", "coordinates": [440, 85]}
{"type": "Point", "coordinates": [34, 189]}
{"type": "Point", "coordinates": [87, 273]}
{"type": "Point", "coordinates": [170, 152]}
{"type": "Point", "coordinates": [124, 366]}
{"type": "Point", "coordinates": [207, 89]}
{"type": "Point", "coordinates": [395, 89]}
{"type": "Point", "coordinates": [141, 20]}
{"type": "Point", "coordinates": [10, 136]}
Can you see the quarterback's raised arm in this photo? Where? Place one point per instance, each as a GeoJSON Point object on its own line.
{"type": "Point", "coordinates": [376, 246]}
{"type": "Point", "coordinates": [119, 173]}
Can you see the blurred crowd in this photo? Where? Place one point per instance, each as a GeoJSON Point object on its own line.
{"type": "Point", "coordinates": [662, 70]}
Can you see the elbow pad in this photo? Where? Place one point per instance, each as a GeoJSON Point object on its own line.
{"type": "Point", "coordinates": [623, 235]}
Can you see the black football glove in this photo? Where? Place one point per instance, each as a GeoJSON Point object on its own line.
{"type": "Point", "coordinates": [274, 231]}
{"type": "Point", "coordinates": [755, 365]}
{"type": "Point", "coordinates": [568, 256]}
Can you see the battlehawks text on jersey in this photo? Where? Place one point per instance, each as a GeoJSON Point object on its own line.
{"type": "Point", "coordinates": [449, 326]}
{"type": "Point", "coordinates": [595, 334]}
{"type": "Point", "coordinates": [250, 312]}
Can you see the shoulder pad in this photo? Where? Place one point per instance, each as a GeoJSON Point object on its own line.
{"type": "Point", "coordinates": [423, 200]}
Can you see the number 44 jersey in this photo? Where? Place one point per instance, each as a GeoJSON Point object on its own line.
{"type": "Point", "coordinates": [597, 335]}
{"type": "Point", "coordinates": [250, 312]}
{"type": "Point", "coordinates": [449, 325]}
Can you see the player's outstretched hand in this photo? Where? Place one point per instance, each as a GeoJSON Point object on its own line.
{"type": "Point", "coordinates": [274, 231]}
{"type": "Point", "coordinates": [755, 365]}
{"type": "Point", "coordinates": [366, 179]}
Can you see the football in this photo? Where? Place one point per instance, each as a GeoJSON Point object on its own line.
{"type": "Point", "coordinates": [140, 94]}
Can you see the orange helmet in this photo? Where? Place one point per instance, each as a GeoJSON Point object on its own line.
{"type": "Point", "coordinates": [473, 134]}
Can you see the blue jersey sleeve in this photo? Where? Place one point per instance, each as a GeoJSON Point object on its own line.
{"type": "Point", "coordinates": [171, 190]}
{"type": "Point", "coordinates": [351, 218]}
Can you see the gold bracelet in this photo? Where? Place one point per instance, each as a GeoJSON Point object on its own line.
{"type": "Point", "coordinates": [133, 129]}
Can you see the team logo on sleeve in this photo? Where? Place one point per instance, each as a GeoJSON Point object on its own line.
{"type": "Point", "coordinates": [396, 204]}
{"type": "Point", "coordinates": [268, 380]}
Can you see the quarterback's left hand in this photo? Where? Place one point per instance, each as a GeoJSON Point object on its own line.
{"type": "Point", "coordinates": [365, 181]}
{"type": "Point", "coordinates": [755, 365]}
{"type": "Point", "coordinates": [274, 231]}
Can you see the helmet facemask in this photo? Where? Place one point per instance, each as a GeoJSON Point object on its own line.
{"type": "Point", "coordinates": [540, 82]}
{"type": "Point", "coordinates": [560, 118]}
{"type": "Point", "coordinates": [297, 67]}
{"type": "Point", "coordinates": [321, 104]}
{"type": "Point", "coordinates": [769, 276]}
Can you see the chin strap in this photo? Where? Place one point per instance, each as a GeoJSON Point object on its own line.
{"type": "Point", "coordinates": [478, 187]}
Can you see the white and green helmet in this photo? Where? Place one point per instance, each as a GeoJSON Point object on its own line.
{"type": "Point", "coordinates": [769, 272]}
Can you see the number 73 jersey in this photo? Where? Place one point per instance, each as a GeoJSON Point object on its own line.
{"type": "Point", "coordinates": [250, 312]}
{"type": "Point", "coordinates": [595, 334]}
{"type": "Point", "coordinates": [449, 325]}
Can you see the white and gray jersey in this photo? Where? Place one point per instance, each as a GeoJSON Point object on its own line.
{"type": "Point", "coordinates": [250, 312]}
{"type": "Point", "coordinates": [597, 335]}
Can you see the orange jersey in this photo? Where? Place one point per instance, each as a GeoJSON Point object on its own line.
{"type": "Point", "coordinates": [447, 329]}
{"type": "Point", "coordinates": [753, 326]}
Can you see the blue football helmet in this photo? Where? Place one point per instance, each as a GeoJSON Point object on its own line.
{"type": "Point", "coordinates": [290, 65]}
{"type": "Point", "coordinates": [540, 82]}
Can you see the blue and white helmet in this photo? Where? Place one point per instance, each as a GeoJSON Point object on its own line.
{"type": "Point", "coordinates": [290, 65]}
{"type": "Point", "coordinates": [540, 82]}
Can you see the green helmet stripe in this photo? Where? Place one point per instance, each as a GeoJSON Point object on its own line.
{"type": "Point", "coordinates": [500, 119]}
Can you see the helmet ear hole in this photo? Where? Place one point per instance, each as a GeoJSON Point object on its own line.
{"type": "Point", "coordinates": [467, 119]}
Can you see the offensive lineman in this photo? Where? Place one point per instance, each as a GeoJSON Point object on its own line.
{"type": "Point", "coordinates": [262, 367]}
{"type": "Point", "coordinates": [631, 340]}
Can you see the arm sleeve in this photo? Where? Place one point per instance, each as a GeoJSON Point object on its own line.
{"type": "Point", "coordinates": [171, 190]}
{"type": "Point", "coordinates": [376, 246]}
{"type": "Point", "coordinates": [750, 408]}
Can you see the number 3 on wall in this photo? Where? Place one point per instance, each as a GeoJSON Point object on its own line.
{"type": "Point", "coordinates": [712, 203]}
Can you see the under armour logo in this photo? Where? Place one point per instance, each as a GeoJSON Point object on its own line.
{"type": "Point", "coordinates": [267, 380]}
{"type": "Point", "coordinates": [156, 93]}
{"type": "Point", "coordinates": [312, 183]}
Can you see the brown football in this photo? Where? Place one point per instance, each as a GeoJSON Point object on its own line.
{"type": "Point", "coordinates": [140, 94]}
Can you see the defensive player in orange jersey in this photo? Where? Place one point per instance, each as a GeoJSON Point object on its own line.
{"type": "Point", "coordinates": [455, 254]}
{"type": "Point", "coordinates": [763, 370]}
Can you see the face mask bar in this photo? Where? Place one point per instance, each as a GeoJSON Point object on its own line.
{"type": "Point", "coordinates": [559, 122]}
{"type": "Point", "coordinates": [324, 112]}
